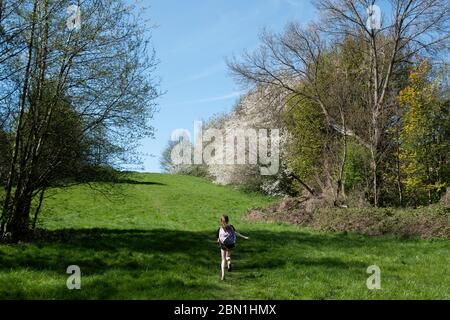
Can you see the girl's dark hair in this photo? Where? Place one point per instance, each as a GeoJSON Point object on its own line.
{"type": "Point", "coordinates": [225, 219]}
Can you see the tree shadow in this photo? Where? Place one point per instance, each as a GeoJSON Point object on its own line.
{"type": "Point", "coordinates": [99, 250]}
{"type": "Point", "coordinates": [147, 183]}
{"type": "Point", "coordinates": [175, 264]}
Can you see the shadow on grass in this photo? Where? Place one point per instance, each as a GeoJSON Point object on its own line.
{"type": "Point", "coordinates": [164, 263]}
{"type": "Point", "coordinates": [147, 183]}
{"type": "Point", "coordinates": [99, 250]}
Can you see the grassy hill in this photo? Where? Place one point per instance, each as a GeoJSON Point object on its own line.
{"type": "Point", "coordinates": [153, 237]}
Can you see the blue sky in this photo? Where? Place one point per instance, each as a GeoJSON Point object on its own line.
{"type": "Point", "coordinates": [192, 41]}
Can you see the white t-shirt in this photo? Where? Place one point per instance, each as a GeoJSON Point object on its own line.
{"type": "Point", "coordinates": [223, 234]}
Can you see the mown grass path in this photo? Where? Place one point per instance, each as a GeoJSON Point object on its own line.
{"type": "Point", "coordinates": [153, 237]}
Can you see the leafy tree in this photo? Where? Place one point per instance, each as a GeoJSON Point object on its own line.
{"type": "Point", "coordinates": [167, 165]}
{"type": "Point", "coordinates": [80, 97]}
{"type": "Point", "coordinates": [337, 75]}
{"type": "Point", "coordinates": [306, 144]}
{"type": "Point", "coordinates": [165, 160]}
{"type": "Point", "coordinates": [425, 137]}
{"type": "Point", "coordinates": [357, 168]}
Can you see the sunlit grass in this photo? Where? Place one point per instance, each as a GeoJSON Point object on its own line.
{"type": "Point", "coordinates": [153, 237]}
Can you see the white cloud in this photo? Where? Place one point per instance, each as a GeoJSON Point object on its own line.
{"type": "Point", "coordinates": [228, 96]}
{"type": "Point", "coordinates": [203, 74]}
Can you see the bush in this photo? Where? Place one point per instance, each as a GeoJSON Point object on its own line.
{"type": "Point", "coordinates": [426, 222]}
{"type": "Point", "coordinates": [193, 170]}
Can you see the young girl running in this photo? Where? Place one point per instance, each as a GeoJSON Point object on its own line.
{"type": "Point", "coordinates": [226, 237]}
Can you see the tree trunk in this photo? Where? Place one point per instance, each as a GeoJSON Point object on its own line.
{"type": "Point", "coordinates": [308, 188]}
{"type": "Point", "coordinates": [374, 151]}
{"type": "Point", "coordinates": [1, 13]}
{"type": "Point", "coordinates": [398, 173]}
{"type": "Point", "coordinates": [374, 167]}
{"type": "Point", "coordinates": [17, 226]}
{"type": "Point", "coordinates": [38, 209]}
{"type": "Point", "coordinates": [340, 182]}
{"type": "Point", "coordinates": [7, 210]}
{"type": "Point", "coordinates": [20, 224]}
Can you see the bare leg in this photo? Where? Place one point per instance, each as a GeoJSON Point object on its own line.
{"type": "Point", "coordinates": [228, 258]}
{"type": "Point", "coordinates": [224, 262]}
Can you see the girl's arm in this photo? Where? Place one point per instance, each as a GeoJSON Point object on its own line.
{"type": "Point", "coordinates": [242, 236]}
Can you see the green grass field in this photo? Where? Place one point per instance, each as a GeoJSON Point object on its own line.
{"type": "Point", "coordinates": [153, 237]}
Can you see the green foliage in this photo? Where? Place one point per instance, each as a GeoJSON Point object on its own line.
{"type": "Point", "coordinates": [425, 137]}
{"type": "Point", "coordinates": [165, 160]}
{"type": "Point", "coordinates": [194, 170]}
{"type": "Point", "coordinates": [167, 165]}
{"type": "Point", "coordinates": [318, 149]}
{"type": "Point", "coordinates": [307, 137]}
{"type": "Point", "coordinates": [417, 138]}
{"type": "Point", "coordinates": [63, 148]}
{"type": "Point", "coordinates": [357, 170]}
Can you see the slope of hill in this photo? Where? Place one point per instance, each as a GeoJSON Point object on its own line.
{"type": "Point", "coordinates": [152, 236]}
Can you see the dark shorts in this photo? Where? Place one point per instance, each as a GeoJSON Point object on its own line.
{"type": "Point", "coordinates": [229, 247]}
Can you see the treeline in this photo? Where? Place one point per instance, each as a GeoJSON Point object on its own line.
{"type": "Point", "coordinates": [76, 92]}
{"type": "Point", "coordinates": [364, 112]}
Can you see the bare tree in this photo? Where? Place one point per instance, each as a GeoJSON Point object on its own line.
{"type": "Point", "coordinates": [293, 59]}
{"type": "Point", "coordinates": [414, 27]}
